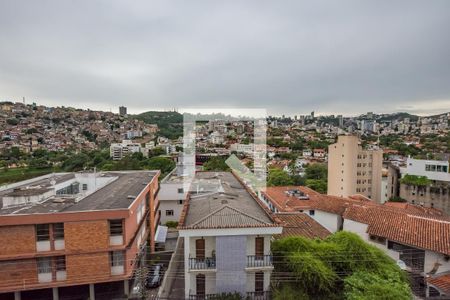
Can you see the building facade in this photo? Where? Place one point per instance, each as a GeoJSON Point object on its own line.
{"type": "Point", "coordinates": [78, 234]}
{"type": "Point", "coordinates": [436, 192]}
{"type": "Point", "coordinates": [354, 170]}
{"type": "Point", "coordinates": [227, 233]}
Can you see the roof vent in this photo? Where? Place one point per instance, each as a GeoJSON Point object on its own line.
{"type": "Point", "coordinates": [224, 201]}
{"type": "Point", "coordinates": [298, 194]}
{"type": "Point", "coordinates": [131, 197]}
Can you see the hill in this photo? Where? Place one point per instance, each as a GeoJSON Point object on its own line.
{"type": "Point", "coordinates": [170, 123]}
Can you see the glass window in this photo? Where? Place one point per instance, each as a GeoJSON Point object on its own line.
{"type": "Point", "coordinates": [180, 191]}
{"type": "Point", "coordinates": [44, 265]}
{"type": "Point", "coordinates": [169, 212]}
{"type": "Point", "coordinates": [60, 263]}
{"type": "Point", "coordinates": [58, 231]}
{"type": "Point", "coordinates": [115, 227]}
{"type": "Point", "coordinates": [42, 232]}
{"type": "Point", "coordinates": [117, 258]}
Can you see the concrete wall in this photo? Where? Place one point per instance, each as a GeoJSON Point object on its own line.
{"type": "Point", "coordinates": [170, 205]}
{"type": "Point", "coordinates": [231, 260]}
{"type": "Point", "coordinates": [328, 220]}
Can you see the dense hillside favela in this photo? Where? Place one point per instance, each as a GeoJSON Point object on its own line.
{"type": "Point", "coordinates": [95, 205]}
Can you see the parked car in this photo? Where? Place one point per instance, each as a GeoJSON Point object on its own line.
{"type": "Point", "coordinates": [155, 276]}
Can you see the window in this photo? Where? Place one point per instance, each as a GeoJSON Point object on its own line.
{"type": "Point", "coordinates": [44, 265]}
{"type": "Point", "coordinates": [43, 232]}
{"type": "Point", "coordinates": [60, 262]}
{"type": "Point", "coordinates": [259, 282]}
{"type": "Point", "coordinates": [116, 258]}
{"type": "Point", "coordinates": [200, 284]}
{"type": "Point", "coordinates": [169, 212]}
{"type": "Point", "coordinates": [180, 191]}
{"type": "Point", "coordinates": [84, 186]}
{"type": "Point", "coordinates": [115, 227]}
{"type": "Point", "coordinates": [180, 201]}
{"type": "Point", "coordinates": [378, 239]}
{"type": "Point", "coordinates": [312, 212]}
{"type": "Point", "coordinates": [58, 231]}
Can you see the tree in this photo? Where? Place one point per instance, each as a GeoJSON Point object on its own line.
{"type": "Point", "coordinates": [365, 285]}
{"type": "Point", "coordinates": [278, 177]}
{"type": "Point", "coordinates": [319, 185]}
{"type": "Point", "coordinates": [216, 164]}
{"type": "Point", "coordinates": [316, 171]}
{"type": "Point", "coordinates": [342, 265]}
{"type": "Point", "coordinates": [160, 163]}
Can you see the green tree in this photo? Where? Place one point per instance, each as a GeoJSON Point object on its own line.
{"type": "Point", "coordinates": [364, 285]}
{"type": "Point", "coordinates": [161, 163]}
{"type": "Point", "coordinates": [342, 265]}
{"type": "Point", "coordinates": [279, 177]}
{"type": "Point", "coordinates": [216, 164]}
{"type": "Point", "coordinates": [316, 171]}
{"type": "Point", "coordinates": [319, 185]}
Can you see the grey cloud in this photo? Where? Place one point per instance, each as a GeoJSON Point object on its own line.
{"type": "Point", "coordinates": [287, 56]}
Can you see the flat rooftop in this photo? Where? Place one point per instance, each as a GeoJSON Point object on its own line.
{"type": "Point", "coordinates": [219, 200]}
{"type": "Point", "coordinates": [109, 191]}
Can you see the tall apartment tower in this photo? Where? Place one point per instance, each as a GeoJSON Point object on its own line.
{"type": "Point", "coordinates": [122, 110]}
{"type": "Point", "coordinates": [353, 170]}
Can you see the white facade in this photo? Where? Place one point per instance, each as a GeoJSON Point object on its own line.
{"type": "Point", "coordinates": [171, 197]}
{"type": "Point", "coordinates": [118, 150]}
{"type": "Point", "coordinates": [214, 254]}
{"type": "Point", "coordinates": [433, 169]}
{"type": "Point", "coordinates": [330, 221]}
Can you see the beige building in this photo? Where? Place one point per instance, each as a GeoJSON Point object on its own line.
{"type": "Point", "coordinates": [353, 170]}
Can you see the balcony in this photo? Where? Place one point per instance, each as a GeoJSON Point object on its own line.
{"type": "Point", "coordinates": [249, 296]}
{"type": "Point", "coordinates": [259, 295]}
{"type": "Point", "coordinates": [207, 263]}
{"type": "Point", "coordinates": [259, 261]}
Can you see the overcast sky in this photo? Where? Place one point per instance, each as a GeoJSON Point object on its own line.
{"type": "Point", "coordinates": [289, 57]}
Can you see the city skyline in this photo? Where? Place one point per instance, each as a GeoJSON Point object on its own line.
{"type": "Point", "coordinates": [348, 58]}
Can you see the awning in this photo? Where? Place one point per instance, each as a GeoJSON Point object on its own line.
{"type": "Point", "coordinates": [161, 234]}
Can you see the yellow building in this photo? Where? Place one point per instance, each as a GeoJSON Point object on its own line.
{"type": "Point", "coordinates": [354, 170]}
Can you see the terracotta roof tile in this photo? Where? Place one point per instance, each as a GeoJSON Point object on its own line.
{"type": "Point", "coordinates": [415, 229]}
{"type": "Point", "coordinates": [300, 224]}
{"type": "Point", "coordinates": [441, 282]}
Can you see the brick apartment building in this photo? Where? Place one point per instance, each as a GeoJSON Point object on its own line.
{"type": "Point", "coordinates": [76, 235]}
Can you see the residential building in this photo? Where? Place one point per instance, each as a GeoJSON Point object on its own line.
{"type": "Point", "coordinates": [172, 195]}
{"type": "Point", "coordinates": [122, 110]}
{"type": "Point", "coordinates": [416, 237]}
{"type": "Point", "coordinates": [119, 150]}
{"type": "Point", "coordinates": [354, 170]}
{"type": "Point", "coordinates": [434, 194]}
{"type": "Point", "coordinates": [76, 234]}
{"type": "Point", "coordinates": [227, 232]}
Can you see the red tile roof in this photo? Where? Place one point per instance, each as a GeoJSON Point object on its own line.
{"type": "Point", "coordinates": [289, 203]}
{"type": "Point", "coordinates": [424, 228]}
{"type": "Point", "coordinates": [441, 282]}
{"type": "Point", "coordinates": [415, 229]}
{"type": "Point", "coordinates": [300, 224]}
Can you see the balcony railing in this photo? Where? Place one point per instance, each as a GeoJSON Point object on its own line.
{"type": "Point", "coordinates": [259, 295]}
{"type": "Point", "coordinates": [202, 263]}
{"type": "Point", "coordinates": [249, 296]}
{"type": "Point", "coordinates": [254, 261]}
